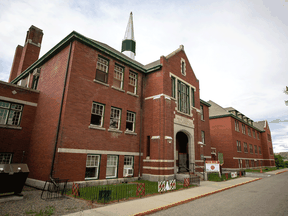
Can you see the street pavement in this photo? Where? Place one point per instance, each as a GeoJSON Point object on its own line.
{"type": "Point", "coordinates": [148, 205]}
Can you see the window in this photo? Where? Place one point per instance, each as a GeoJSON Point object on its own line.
{"type": "Point", "coordinates": [261, 163]}
{"type": "Point", "coordinates": [247, 163]}
{"type": "Point", "coordinates": [36, 74]}
{"type": "Point", "coordinates": [92, 166]}
{"type": "Point", "coordinates": [256, 163]}
{"type": "Point", "coordinates": [243, 129]}
{"type": "Point", "coordinates": [245, 147]}
{"type": "Point", "coordinates": [10, 113]}
{"type": "Point", "coordinates": [173, 93]}
{"type": "Point", "coordinates": [132, 85]}
{"type": "Point", "coordinates": [237, 126]}
{"type": "Point", "coordinates": [255, 149]}
{"type": "Point", "coordinates": [202, 112]}
{"type": "Point", "coordinates": [148, 146]}
{"type": "Point", "coordinates": [183, 98]}
{"type": "Point", "coordinates": [271, 151]}
{"type": "Point", "coordinates": [203, 137]}
{"type": "Point", "coordinates": [183, 67]}
{"type": "Point", "coordinates": [192, 97]}
{"type": "Point", "coordinates": [240, 163]}
{"type": "Point", "coordinates": [252, 163]}
{"type": "Point", "coordinates": [115, 118]}
{"type": "Point", "coordinates": [238, 146]}
{"type": "Point", "coordinates": [5, 158]}
{"type": "Point", "coordinates": [130, 121]}
{"type": "Point", "coordinates": [112, 164]}
{"type": "Point", "coordinates": [102, 70]}
{"type": "Point", "coordinates": [97, 114]}
{"type": "Point", "coordinates": [118, 77]}
{"type": "Point", "coordinates": [259, 150]}
{"type": "Point", "coordinates": [251, 148]}
{"type": "Point", "coordinates": [258, 136]}
{"type": "Point", "coordinates": [249, 132]}
{"type": "Point", "coordinates": [128, 166]}
{"type": "Point", "coordinates": [254, 134]}
{"type": "Point", "coordinates": [269, 137]}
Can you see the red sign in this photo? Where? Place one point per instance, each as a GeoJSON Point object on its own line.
{"type": "Point", "coordinates": [210, 161]}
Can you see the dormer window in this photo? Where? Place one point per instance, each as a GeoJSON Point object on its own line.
{"type": "Point", "coordinates": [183, 67]}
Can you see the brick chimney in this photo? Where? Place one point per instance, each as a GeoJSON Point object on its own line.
{"type": "Point", "coordinates": [27, 55]}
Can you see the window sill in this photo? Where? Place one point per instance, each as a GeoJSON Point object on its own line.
{"type": "Point", "coordinates": [131, 133]}
{"type": "Point", "coordinates": [95, 178]}
{"type": "Point", "coordinates": [11, 127]}
{"type": "Point", "coordinates": [114, 130]}
{"type": "Point", "coordinates": [239, 151]}
{"type": "Point", "coordinates": [121, 90]}
{"type": "Point", "coordinates": [202, 120]}
{"type": "Point", "coordinates": [130, 93]}
{"type": "Point", "coordinates": [105, 84]}
{"type": "Point", "coordinates": [96, 127]}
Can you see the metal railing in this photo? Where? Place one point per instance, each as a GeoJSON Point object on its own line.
{"type": "Point", "coordinates": [195, 166]}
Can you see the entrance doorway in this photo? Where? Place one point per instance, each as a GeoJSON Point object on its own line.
{"type": "Point", "coordinates": [182, 161]}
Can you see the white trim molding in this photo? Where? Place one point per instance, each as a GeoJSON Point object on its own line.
{"type": "Point", "coordinates": [158, 168]}
{"type": "Point", "coordinates": [155, 160]}
{"type": "Point", "coordinates": [236, 158]}
{"type": "Point", "coordinates": [168, 137]}
{"type": "Point", "coordinates": [158, 96]}
{"type": "Point", "coordinates": [88, 151]}
{"type": "Point", "coordinates": [18, 101]}
{"type": "Point", "coordinates": [155, 137]}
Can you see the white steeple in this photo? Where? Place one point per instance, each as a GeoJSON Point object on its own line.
{"type": "Point", "coordinates": [128, 43]}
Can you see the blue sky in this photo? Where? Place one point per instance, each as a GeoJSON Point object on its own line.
{"type": "Point", "coordinates": [237, 49]}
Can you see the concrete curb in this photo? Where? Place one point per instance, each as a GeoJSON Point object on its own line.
{"type": "Point", "coordinates": [281, 172]}
{"type": "Point", "coordinates": [191, 199]}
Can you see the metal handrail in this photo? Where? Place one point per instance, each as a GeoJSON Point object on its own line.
{"type": "Point", "coordinates": [194, 164]}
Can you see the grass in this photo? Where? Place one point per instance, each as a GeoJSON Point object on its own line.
{"type": "Point", "coordinates": [49, 210]}
{"type": "Point", "coordinates": [215, 177]}
{"type": "Point", "coordinates": [266, 169]}
{"type": "Point", "coordinates": [118, 192]}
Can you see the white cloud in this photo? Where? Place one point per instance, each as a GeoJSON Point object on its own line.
{"type": "Point", "coordinates": [238, 50]}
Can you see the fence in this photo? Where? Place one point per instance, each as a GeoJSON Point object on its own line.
{"type": "Point", "coordinates": [113, 193]}
{"type": "Point", "coordinates": [54, 189]}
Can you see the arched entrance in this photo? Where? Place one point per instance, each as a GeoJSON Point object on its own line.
{"type": "Point", "coordinates": [182, 148]}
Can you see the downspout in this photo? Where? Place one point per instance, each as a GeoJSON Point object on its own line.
{"type": "Point", "coordinates": [140, 136]}
{"type": "Point", "coordinates": [59, 120]}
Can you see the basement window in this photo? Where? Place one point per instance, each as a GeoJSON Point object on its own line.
{"type": "Point", "coordinates": [5, 158]}
{"type": "Point", "coordinates": [92, 166]}
{"type": "Point", "coordinates": [112, 165]}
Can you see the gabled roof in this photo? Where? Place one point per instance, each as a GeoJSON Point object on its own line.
{"type": "Point", "coordinates": [216, 110]}
{"type": "Point", "coordinates": [205, 103]}
{"type": "Point", "coordinates": [94, 44]}
{"type": "Point", "coordinates": [260, 125]}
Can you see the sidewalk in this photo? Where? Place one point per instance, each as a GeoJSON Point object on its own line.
{"type": "Point", "coordinates": [156, 203]}
{"type": "Point", "coordinates": [265, 174]}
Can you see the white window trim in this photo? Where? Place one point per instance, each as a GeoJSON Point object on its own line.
{"type": "Point", "coordinates": [134, 121]}
{"type": "Point", "coordinates": [183, 60]}
{"type": "Point", "coordinates": [129, 166]}
{"type": "Point", "coordinates": [102, 117]}
{"type": "Point", "coordinates": [119, 119]}
{"type": "Point", "coordinates": [116, 170]}
{"type": "Point", "coordinates": [115, 69]}
{"type": "Point", "coordinates": [2, 155]}
{"type": "Point", "coordinates": [136, 82]}
{"type": "Point", "coordinates": [97, 173]}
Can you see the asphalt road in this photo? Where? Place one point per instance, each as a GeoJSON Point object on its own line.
{"type": "Point", "coordinates": [268, 196]}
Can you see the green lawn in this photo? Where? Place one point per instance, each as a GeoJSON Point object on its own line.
{"type": "Point", "coordinates": [116, 192]}
{"type": "Point", "coordinates": [266, 169]}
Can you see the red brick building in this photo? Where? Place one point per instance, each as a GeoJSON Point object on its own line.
{"type": "Point", "coordinates": [89, 112]}
{"type": "Point", "coordinates": [244, 143]}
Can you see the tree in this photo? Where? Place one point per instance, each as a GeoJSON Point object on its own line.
{"type": "Point", "coordinates": [278, 161]}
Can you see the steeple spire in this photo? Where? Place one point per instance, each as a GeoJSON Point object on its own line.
{"type": "Point", "coordinates": [128, 43]}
